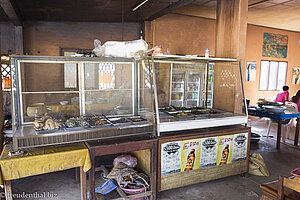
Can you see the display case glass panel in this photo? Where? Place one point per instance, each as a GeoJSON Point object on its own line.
{"type": "Point", "coordinates": [66, 99]}
{"type": "Point", "coordinates": [195, 92]}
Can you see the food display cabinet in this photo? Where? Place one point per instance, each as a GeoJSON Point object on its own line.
{"type": "Point", "coordinates": [70, 99]}
{"type": "Point", "coordinates": [196, 92]}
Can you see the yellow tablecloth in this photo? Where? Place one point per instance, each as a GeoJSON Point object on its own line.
{"type": "Point", "coordinates": [43, 160]}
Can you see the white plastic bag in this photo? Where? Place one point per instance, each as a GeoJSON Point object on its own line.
{"type": "Point", "coordinates": [119, 49]}
{"type": "Point", "coordinates": [126, 159]}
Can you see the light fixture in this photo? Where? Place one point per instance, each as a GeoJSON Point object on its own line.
{"type": "Point", "coordinates": [139, 5]}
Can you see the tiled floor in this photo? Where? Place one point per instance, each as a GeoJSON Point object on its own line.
{"type": "Point", "coordinates": [279, 162]}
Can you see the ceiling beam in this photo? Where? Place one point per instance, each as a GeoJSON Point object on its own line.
{"type": "Point", "coordinates": [11, 12]}
{"type": "Point", "coordinates": [169, 9]}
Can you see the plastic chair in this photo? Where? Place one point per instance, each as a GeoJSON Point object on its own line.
{"type": "Point", "coordinates": [293, 184]}
{"type": "Point", "coordinates": [287, 127]}
{"type": "Point", "coordinates": [283, 128]}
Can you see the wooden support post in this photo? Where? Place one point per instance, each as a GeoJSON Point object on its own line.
{"type": "Point", "coordinates": [8, 190]}
{"type": "Point", "coordinates": [83, 184]}
{"type": "Point", "coordinates": [92, 176]}
{"type": "Point", "coordinates": [231, 31]}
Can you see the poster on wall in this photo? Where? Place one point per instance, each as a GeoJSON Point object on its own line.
{"type": "Point", "coordinates": [208, 152]}
{"type": "Point", "coordinates": [275, 45]}
{"type": "Point", "coordinates": [251, 71]}
{"type": "Point", "coordinates": [239, 149]}
{"type": "Point", "coordinates": [225, 149]}
{"type": "Point", "coordinates": [170, 157]}
{"type": "Point", "coordinates": [190, 155]}
{"type": "Point", "coordinates": [296, 75]}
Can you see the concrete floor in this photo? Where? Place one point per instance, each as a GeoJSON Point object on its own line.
{"type": "Point", "coordinates": [234, 187]}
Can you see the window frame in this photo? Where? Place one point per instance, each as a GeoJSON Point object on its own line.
{"type": "Point", "coordinates": [268, 76]}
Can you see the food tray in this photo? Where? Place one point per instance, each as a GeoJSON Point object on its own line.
{"type": "Point", "coordinates": [137, 119]}
{"type": "Point", "coordinates": [181, 114]}
{"type": "Point", "coordinates": [119, 120]}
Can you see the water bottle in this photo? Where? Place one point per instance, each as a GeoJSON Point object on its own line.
{"type": "Point", "coordinates": [206, 53]}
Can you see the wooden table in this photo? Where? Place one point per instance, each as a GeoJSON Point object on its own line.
{"type": "Point", "coordinates": [123, 146]}
{"type": "Point", "coordinates": [262, 113]}
{"type": "Point", "coordinates": [42, 160]}
{"type": "Point", "coordinates": [270, 191]}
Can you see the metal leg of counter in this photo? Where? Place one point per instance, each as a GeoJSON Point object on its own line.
{"type": "Point", "coordinates": [8, 190]}
{"type": "Point", "coordinates": [297, 132]}
{"type": "Point", "coordinates": [278, 134]}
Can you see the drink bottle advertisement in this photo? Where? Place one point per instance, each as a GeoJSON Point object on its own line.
{"type": "Point", "coordinates": [209, 152]}
{"type": "Point", "coordinates": [190, 155]}
{"type": "Point", "coordinates": [170, 157]}
{"type": "Point", "coordinates": [225, 149]}
{"type": "Point", "coordinates": [239, 149]}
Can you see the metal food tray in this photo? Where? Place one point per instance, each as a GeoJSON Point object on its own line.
{"type": "Point", "coordinates": [174, 114]}
{"type": "Point", "coordinates": [142, 121]}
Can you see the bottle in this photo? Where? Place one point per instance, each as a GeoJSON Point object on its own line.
{"type": "Point", "coordinates": [225, 155]}
{"type": "Point", "coordinates": [206, 53]}
{"type": "Point", "coordinates": [190, 161]}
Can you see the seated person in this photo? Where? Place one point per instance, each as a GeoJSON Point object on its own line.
{"type": "Point", "coordinates": [296, 100]}
{"type": "Point", "coordinates": [283, 96]}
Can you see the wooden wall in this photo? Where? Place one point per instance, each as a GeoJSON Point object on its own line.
{"type": "Point", "coordinates": [46, 38]}
{"type": "Point", "coordinates": [191, 35]}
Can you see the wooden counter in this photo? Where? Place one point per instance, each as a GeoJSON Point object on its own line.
{"type": "Point", "coordinates": [208, 145]}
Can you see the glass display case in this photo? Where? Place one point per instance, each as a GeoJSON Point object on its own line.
{"type": "Point", "coordinates": [70, 99]}
{"type": "Point", "coordinates": [195, 92]}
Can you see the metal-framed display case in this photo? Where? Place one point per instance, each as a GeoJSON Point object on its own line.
{"type": "Point", "coordinates": [184, 97]}
{"type": "Point", "coordinates": [70, 99]}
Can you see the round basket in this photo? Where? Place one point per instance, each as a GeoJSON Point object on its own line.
{"type": "Point", "coordinates": [135, 191]}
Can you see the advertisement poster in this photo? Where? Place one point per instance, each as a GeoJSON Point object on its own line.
{"type": "Point", "coordinates": [225, 149]}
{"type": "Point", "coordinates": [209, 152]}
{"type": "Point", "coordinates": [239, 149]}
{"type": "Point", "coordinates": [296, 75]}
{"type": "Point", "coordinates": [170, 157]}
{"type": "Point", "coordinates": [251, 71]}
{"type": "Point", "coordinates": [190, 154]}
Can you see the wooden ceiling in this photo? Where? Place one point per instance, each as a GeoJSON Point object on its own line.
{"type": "Point", "coordinates": [282, 14]}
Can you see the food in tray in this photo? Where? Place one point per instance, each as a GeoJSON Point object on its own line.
{"type": "Point", "coordinates": [182, 114]}
{"type": "Point", "coordinates": [137, 119]}
{"type": "Point", "coordinates": [76, 122]}
{"type": "Point", "coordinates": [45, 123]}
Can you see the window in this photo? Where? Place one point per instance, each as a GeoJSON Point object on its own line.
{"type": "Point", "coordinates": [272, 75]}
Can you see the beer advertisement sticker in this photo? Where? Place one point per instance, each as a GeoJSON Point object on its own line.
{"type": "Point", "coordinates": [190, 154]}
{"type": "Point", "coordinates": [170, 157]}
{"type": "Point", "coordinates": [209, 152]}
{"type": "Point", "coordinates": [239, 149]}
{"type": "Point", "coordinates": [225, 149]}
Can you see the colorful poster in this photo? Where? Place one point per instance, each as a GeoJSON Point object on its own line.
{"type": "Point", "coordinates": [275, 45]}
{"type": "Point", "coordinates": [296, 75]}
{"type": "Point", "coordinates": [251, 71]}
{"type": "Point", "coordinates": [239, 149]}
{"type": "Point", "coordinates": [209, 152]}
{"type": "Point", "coordinates": [225, 149]}
{"type": "Point", "coordinates": [170, 157]}
{"type": "Point", "coordinates": [190, 154]}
